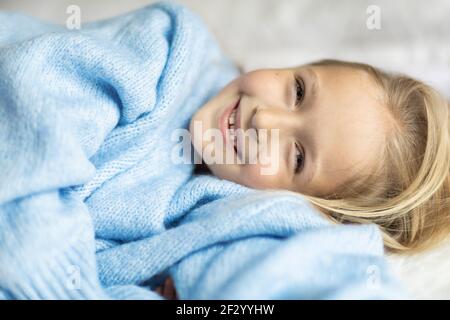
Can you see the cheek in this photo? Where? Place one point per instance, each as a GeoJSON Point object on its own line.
{"type": "Point", "coordinates": [248, 175]}
{"type": "Point", "coordinates": [257, 83]}
{"type": "Point", "coordinates": [252, 176]}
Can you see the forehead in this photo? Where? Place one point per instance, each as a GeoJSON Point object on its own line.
{"type": "Point", "coordinates": [349, 124]}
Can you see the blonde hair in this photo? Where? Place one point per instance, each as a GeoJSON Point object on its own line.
{"type": "Point", "coordinates": [408, 194]}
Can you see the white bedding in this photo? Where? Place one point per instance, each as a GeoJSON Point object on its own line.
{"type": "Point", "coordinates": [414, 38]}
{"type": "Point", "coordinates": [425, 275]}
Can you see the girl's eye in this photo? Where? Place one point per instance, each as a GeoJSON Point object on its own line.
{"type": "Point", "coordinates": [300, 86]}
{"type": "Point", "coordinates": [299, 159]}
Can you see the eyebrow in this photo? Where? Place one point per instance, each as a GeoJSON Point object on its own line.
{"type": "Point", "coordinates": [314, 88]}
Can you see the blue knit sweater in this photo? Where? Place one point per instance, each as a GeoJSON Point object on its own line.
{"type": "Point", "coordinates": [92, 207]}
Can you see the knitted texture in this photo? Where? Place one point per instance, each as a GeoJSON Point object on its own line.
{"type": "Point", "coordinates": [91, 205]}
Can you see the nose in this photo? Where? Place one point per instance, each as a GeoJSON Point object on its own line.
{"type": "Point", "coordinates": [272, 118]}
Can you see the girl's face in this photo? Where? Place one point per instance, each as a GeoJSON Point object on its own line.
{"type": "Point", "coordinates": [330, 124]}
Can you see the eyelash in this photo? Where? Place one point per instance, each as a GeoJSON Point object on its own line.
{"type": "Point", "coordinates": [300, 90]}
{"type": "Point", "coordinates": [298, 156]}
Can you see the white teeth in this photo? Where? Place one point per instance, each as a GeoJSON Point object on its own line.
{"type": "Point", "coordinates": [232, 118]}
{"type": "Point", "coordinates": [231, 124]}
{"type": "Point", "coordinates": [233, 136]}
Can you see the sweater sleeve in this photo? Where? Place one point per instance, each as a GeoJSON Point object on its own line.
{"type": "Point", "coordinates": [77, 109]}
{"type": "Point", "coordinates": [53, 117]}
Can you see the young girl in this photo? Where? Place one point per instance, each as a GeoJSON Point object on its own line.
{"type": "Point", "coordinates": [363, 145]}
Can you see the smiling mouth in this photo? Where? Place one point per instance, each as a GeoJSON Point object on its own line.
{"type": "Point", "coordinates": [233, 125]}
